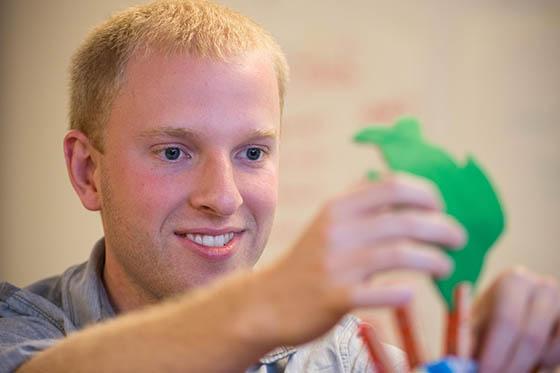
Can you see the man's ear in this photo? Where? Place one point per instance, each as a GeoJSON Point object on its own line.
{"type": "Point", "coordinates": [82, 165]}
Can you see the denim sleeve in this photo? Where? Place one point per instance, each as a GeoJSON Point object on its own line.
{"type": "Point", "coordinates": [21, 337]}
{"type": "Point", "coordinates": [27, 326]}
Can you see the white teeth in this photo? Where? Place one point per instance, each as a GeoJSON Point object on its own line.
{"type": "Point", "coordinates": [211, 241]}
{"type": "Point", "coordinates": [219, 240]}
{"type": "Point", "coordinates": [208, 240]}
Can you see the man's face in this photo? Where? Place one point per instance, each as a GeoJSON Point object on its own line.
{"type": "Point", "coordinates": [189, 171]}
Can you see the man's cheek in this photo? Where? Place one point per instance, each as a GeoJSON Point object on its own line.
{"type": "Point", "coordinates": [264, 197]}
{"type": "Point", "coordinates": [149, 193]}
{"type": "Point", "coordinates": [156, 197]}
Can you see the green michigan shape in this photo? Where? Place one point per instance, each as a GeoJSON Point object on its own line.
{"type": "Point", "coordinates": [467, 193]}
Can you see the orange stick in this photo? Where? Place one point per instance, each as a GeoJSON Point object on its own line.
{"type": "Point", "coordinates": [450, 347]}
{"type": "Point", "coordinates": [458, 341]}
{"type": "Point", "coordinates": [406, 328]}
{"type": "Point", "coordinates": [376, 351]}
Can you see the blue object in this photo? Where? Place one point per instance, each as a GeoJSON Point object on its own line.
{"type": "Point", "coordinates": [450, 364]}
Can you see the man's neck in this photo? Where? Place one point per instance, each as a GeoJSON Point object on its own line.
{"type": "Point", "coordinates": [123, 294]}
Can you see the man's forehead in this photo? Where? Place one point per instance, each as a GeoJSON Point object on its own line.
{"type": "Point", "coordinates": [167, 97]}
{"type": "Point", "coordinates": [203, 74]}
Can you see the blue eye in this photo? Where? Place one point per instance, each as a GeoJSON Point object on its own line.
{"type": "Point", "coordinates": [253, 154]}
{"type": "Point", "coordinates": [172, 153]}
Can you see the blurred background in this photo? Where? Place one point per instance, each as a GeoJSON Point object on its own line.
{"type": "Point", "coordinates": [482, 76]}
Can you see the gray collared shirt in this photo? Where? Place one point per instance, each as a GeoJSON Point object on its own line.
{"type": "Point", "coordinates": [36, 317]}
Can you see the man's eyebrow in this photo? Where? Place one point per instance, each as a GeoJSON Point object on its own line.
{"type": "Point", "coordinates": [179, 132]}
{"type": "Point", "coordinates": [263, 133]}
{"type": "Point", "coordinates": [176, 132]}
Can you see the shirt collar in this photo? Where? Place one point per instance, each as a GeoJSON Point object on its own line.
{"type": "Point", "coordinates": [277, 354]}
{"type": "Point", "coordinates": [87, 299]}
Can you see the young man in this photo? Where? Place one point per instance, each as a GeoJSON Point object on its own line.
{"type": "Point", "coordinates": [175, 114]}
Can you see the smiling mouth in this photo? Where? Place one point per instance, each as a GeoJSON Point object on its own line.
{"type": "Point", "coordinates": [211, 246]}
{"type": "Point", "coordinates": [220, 240]}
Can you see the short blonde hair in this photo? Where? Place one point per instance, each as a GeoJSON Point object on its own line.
{"type": "Point", "coordinates": [196, 27]}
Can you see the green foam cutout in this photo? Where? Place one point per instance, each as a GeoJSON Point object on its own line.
{"type": "Point", "coordinates": [467, 192]}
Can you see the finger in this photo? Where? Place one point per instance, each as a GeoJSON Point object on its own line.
{"type": "Point", "coordinates": [392, 190]}
{"type": "Point", "coordinates": [430, 227]}
{"type": "Point", "coordinates": [358, 265]}
{"type": "Point", "coordinates": [551, 357]}
{"type": "Point", "coordinates": [380, 296]}
{"type": "Point", "coordinates": [513, 295]}
{"type": "Point", "coordinates": [538, 323]}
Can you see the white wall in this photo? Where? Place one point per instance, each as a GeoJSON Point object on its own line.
{"type": "Point", "coordinates": [482, 76]}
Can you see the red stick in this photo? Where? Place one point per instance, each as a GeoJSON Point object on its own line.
{"type": "Point", "coordinates": [458, 341]}
{"type": "Point", "coordinates": [376, 351]}
{"type": "Point", "coordinates": [406, 327]}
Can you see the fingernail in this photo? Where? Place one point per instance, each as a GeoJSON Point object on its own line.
{"type": "Point", "coordinates": [461, 237]}
{"type": "Point", "coordinates": [447, 267]}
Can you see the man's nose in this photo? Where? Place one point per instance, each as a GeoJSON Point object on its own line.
{"type": "Point", "coordinates": [216, 190]}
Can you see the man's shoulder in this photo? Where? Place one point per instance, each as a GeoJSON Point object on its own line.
{"type": "Point", "coordinates": [42, 301]}
{"type": "Point", "coordinates": [45, 290]}
{"type": "Point", "coordinates": [76, 298]}
{"type": "Point", "coordinates": [29, 321]}
{"type": "Point", "coordinates": [39, 302]}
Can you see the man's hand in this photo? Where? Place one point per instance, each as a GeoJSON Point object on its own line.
{"type": "Point", "coordinates": [517, 323]}
{"type": "Point", "coordinates": [392, 224]}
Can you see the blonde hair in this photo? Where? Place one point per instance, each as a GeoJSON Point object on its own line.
{"type": "Point", "coordinates": [197, 27]}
